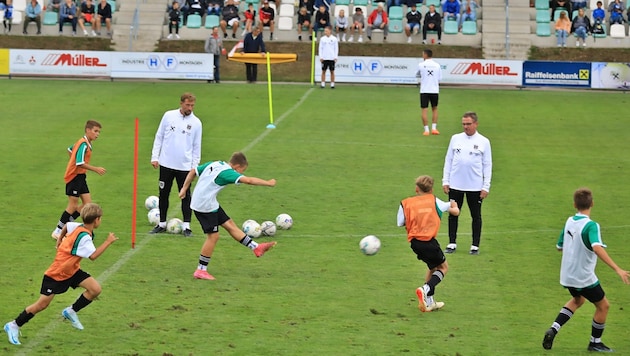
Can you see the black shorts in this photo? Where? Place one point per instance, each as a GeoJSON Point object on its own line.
{"type": "Point", "coordinates": [341, 29]}
{"type": "Point", "coordinates": [77, 186]}
{"type": "Point", "coordinates": [327, 64]}
{"type": "Point", "coordinates": [592, 294]}
{"type": "Point", "coordinates": [210, 222]}
{"type": "Point", "coordinates": [426, 98]}
{"type": "Point", "coordinates": [51, 286]}
{"type": "Point", "coordinates": [428, 252]}
{"type": "Point", "coordinates": [268, 24]}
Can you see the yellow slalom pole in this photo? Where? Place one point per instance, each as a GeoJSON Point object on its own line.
{"type": "Point", "coordinates": [313, 59]}
{"type": "Point", "coordinates": [271, 125]}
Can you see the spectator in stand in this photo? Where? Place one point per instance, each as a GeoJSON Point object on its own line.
{"type": "Point", "coordinates": [267, 16]}
{"type": "Point", "coordinates": [304, 21]}
{"type": "Point", "coordinates": [322, 19]}
{"type": "Point", "coordinates": [88, 14]}
{"type": "Point", "coordinates": [413, 22]}
{"type": "Point", "coordinates": [197, 7]}
{"type": "Point", "coordinates": [432, 22]}
{"type": "Point", "coordinates": [451, 10]}
{"type": "Point", "coordinates": [182, 6]}
{"type": "Point", "coordinates": [214, 46]}
{"type": "Point", "coordinates": [54, 5]}
{"type": "Point", "coordinates": [563, 28]}
{"type": "Point", "coordinates": [358, 23]}
{"type": "Point", "coordinates": [581, 26]}
{"type": "Point", "coordinates": [341, 25]}
{"type": "Point", "coordinates": [68, 13]}
{"type": "Point", "coordinates": [8, 16]}
{"type": "Point", "coordinates": [560, 3]}
{"type": "Point", "coordinates": [599, 14]}
{"type": "Point", "coordinates": [309, 5]}
{"type": "Point", "coordinates": [250, 18]}
{"type": "Point", "coordinates": [326, 3]}
{"type": "Point", "coordinates": [104, 14]}
{"type": "Point", "coordinates": [230, 18]}
{"type": "Point", "coordinates": [378, 20]}
{"type": "Point", "coordinates": [391, 3]}
{"type": "Point", "coordinates": [578, 4]}
{"type": "Point", "coordinates": [32, 14]}
{"type": "Point", "coordinates": [616, 12]}
{"type": "Point", "coordinates": [173, 20]}
{"type": "Point", "coordinates": [469, 11]}
{"type": "Point", "coordinates": [253, 43]}
{"type": "Point", "coordinates": [214, 7]}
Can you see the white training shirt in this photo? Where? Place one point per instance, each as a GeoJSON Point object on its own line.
{"type": "Point", "coordinates": [579, 236]}
{"type": "Point", "coordinates": [177, 143]}
{"type": "Point", "coordinates": [328, 48]}
{"type": "Point", "coordinates": [430, 74]}
{"type": "Point", "coordinates": [213, 177]}
{"type": "Point", "coordinates": [468, 163]}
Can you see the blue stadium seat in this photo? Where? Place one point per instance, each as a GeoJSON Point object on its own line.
{"type": "Point", "coordinates": [542, 4]}
{"type": "Point", "coordinates": [450, 27]}
{"type": "Point", "coordinates": [194, 21]}
{"type": "Point", "coordinates": [543, 29]}
{"type": "Point", "coordinates": [396, 26]}
{"type": "Point", "coordinates": [211, 21]}
{"type": "Point", "coordinates": [395, 13]}
{"type": "Point", "coordinates": [469, 28]}
{"type": "Point", "coordinates": [50, 18]}
{"type": "Point", "coordinates": [543, 16]}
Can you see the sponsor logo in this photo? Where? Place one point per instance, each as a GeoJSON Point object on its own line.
{"type": "Point", "coordinates": [476, 68]}
{"type": "Point", "coordinates": [375, 66]}
{"type": "Point", "coordinates": [32, 60]}
{"type": "Point", "coordinates": [357, 66]}
{"type": "Point", "coordinates": [133, 61]}
{"type": "Point", "coordinates": [19, 60]}
{"type": "Point", "coordinates": [548, 75]}
{"type": "Point", "coordinates": [67, 59]}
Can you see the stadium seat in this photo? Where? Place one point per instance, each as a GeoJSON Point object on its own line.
{"type": "Point", "coordinates": [542, 4]}
{"type": "Point", "coordinates": [600, 35]}
{"type": "Point", "coordinates": [450, 27]}
{"type": "Point", "coordinates": [19, 5]}
{"type": "Point", "coordinates": [194, 21]}
{"type": "Point", "coordinates": [361, 3]}
{"type": "Point", "coordinates": [50, 18]}
{"type": "Point", "coordinates": [285, 23]}
{"type": "Point", "coordinates": [396, 26]}
{"type": "Point", "coordinates": [395, 13]}
{"type": "Point", "coordinates": [434, 2]}
{"type": "Point", "coordinates": [469, 27]}
{"type": "Point", "coordinates": [288, 2]}
{"type": "Point", "coordinates": [556, 14]}
{"type": "Point", "coordinates": [346, 10]}
{"type": "Point", "coordinates": [286, 10]}
{"type": "Point", "coordinates": [342, 2]}
{"type": "Point", "coordinates": [113, 5]}
{"type": "Point", "coordinates": [543, 16]}
{"type": "Point", "coordinates": [543, 29]}
{"type": "Point", "coordinates": [212, 21]}
{"type": "Point", "coordinates": [617, 31]}
{"type": "Point", "coordinates": [17, 17]}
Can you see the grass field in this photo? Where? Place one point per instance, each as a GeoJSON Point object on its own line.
{"type": "Point", "coordinates": [343, 160]}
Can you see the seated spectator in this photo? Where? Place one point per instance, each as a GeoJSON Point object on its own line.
{"type": "Point", "coordinates": [599, 13]}
{"type": "Point", "coordinates": [378, 20]}
{"type": "Point", "coordinates": [391, 3]}
{"type": "Point", "coordinates": [32, 14]}
{"type": "Point", "coordinates": [578, 4]}
{"type": "Point", "coordinates": [358, 23]}
{"type": "Point", "coordinates": [451, 10]}
{"type": "Point", "coordinates": [309, 5]}
{"type": "Point", "coordinates": [230, 18]}
{"type": "Point", "coordinates": [469, 11]}
{"type": "Point", "coordinates": [68, 13]}
{"type": "Point", "coordinates": [182, 6]}
{"type": "Point", "coordinates": [319, 3]}
{"type": "Point", "coordinates": [581, 26]}
{"type": "Point", "coordinates": [54, 5]}
{"type": "Point", "coordinates": [174, 17]}
{"type": "Point", "coordinates": [267, 16]}
{"type": "Point", "coordinates": [104, 15]}
{"type": "Point", "coordinates": [88, 14]}
{"type": "Point", "coordinates": [413, 22]}
{"type": "Point", "coordinates": [616, 12]}
{"type": "Point", "coordinates": [250, 18]}
{"type": "Point", "coordinates": [563, 27]}
{"type": "Point", "coordinates": [432, 22]}
{"type": "Point", "coordinates": [197, 7]}
{"type": "Point", "coordinates": [214, 7]}
{"type": "Point", "coordinates": [304, 21]}
{"type": "Point", "coordinates": [566, 4]}
{"type": "Point", "coordinates": [8, 16]}
{"type": "Point", "coordinates": [341, 25]}
{"type": "Point", "coordinates": [322, 19]}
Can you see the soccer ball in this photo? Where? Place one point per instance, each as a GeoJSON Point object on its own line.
{"type": "Point", "coordinates": [252, 229]}
{"type": "Point", "coordinates": [154, 216]}
{"type": "Point", "coordinates": [247, 222]}
{"type": "Point", "coordinates": [370, 245]}
{"type": "Point", "coordinates": [174, 226]}
{"type": "Point", "coordinates": [284, 221]}
{"type": "Point", "coordinates": [152, 202]}
{"type": "Point", "coordinates": [268, 228]}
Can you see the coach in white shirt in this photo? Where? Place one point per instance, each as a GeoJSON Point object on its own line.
{"type": "Point", "coordinates": [176, 150]}
{"type": "Point", "coordinates": [467, 172]}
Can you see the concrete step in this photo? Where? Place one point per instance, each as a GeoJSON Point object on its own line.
{"type": "Point", "coordinates": [514, 14]}
{"type": "Point", "coordinates": [498, 26]}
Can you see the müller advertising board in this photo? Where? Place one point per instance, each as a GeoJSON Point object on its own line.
{"type": "Point", "coordinates": [59, 63]}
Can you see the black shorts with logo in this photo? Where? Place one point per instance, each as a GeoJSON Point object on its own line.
{"type": "Point", "coordinates": [77, 186]}
{"type": "Point", "coordinates": [210, 222]}
{"type": "Point", "coordinates": [328, 64]}
{"type": "Point", "coordinates": [592, 294]}
{"type": "Point", "coordinates": [51, 286]}
{"type": "Point", "coordinates": [428, 252]}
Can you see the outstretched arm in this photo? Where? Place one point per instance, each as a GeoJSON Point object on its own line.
{"type": "Point", "coordinates": [189, 178]}
{"type": "Point", "coordinates": [99, 250]}
{"type": "Point", "coordinates": [603, 255]}
{"type": "Point", "coordinates": [257, 181]}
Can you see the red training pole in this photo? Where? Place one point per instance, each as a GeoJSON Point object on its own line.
{"type": "Point", "coordinates": [135, 187]}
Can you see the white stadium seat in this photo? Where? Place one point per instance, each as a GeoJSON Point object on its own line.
{"type": "Point", "coordinates": [285, 23]}
{"type": "Point", "coordinates": [286, 10]}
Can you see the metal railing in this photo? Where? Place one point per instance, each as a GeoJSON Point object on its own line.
{"type": "Point", "coordinates": [133, 29]}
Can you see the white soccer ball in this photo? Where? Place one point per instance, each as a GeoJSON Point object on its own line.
{"type": "Point", "coordinates": [152, 202]}
{"type": "Point", "coordinates": [174, 226]}
{"type": "Point", "coordinates": [154, 216]}
{"type": "Point", "coordinates": [284, 221]}
{"type": "Point", "coordinates": [268, 228]}
{"type": "Point", "coordinates": [252, 229]}
{"type": "Point", "coordinates": [370, 245]}
{"type": "Point", "coordinates": [247, 222]}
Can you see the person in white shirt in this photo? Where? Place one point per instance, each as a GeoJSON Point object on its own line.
{"type": "Point", "coordinates": [430, 75]}
{"type": "Point", "coordinates": [328, 53]}
{"type": "Point", "coordinates": [176, 150]}
{"type": "Point", "coordinates": [467, 172]}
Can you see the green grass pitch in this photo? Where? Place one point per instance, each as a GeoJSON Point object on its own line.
{"type": "Point", "coordinates": [343, 160]}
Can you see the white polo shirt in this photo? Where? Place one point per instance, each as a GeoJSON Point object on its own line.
{"type": "Point", "coordinates": [468, 163]}
{"type": "Point", "coordinates": [328, 48]}
{"type": "Point", "coordinates": [177, 143]}
{"type": "Point", "coordinates": [430, 74]}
